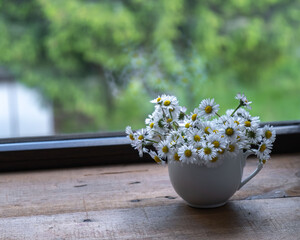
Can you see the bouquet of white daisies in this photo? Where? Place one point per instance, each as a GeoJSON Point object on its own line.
{"type": "Point", "coordinates": [202, 137]}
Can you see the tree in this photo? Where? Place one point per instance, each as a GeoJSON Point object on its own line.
{"type": "Point", "coordinates": [96, 61]}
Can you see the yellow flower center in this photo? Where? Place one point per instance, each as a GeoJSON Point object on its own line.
{"type": "Point", "coordinates": [158, 99]}
{"type": "Point", "coordinates": [264, 161]}
{"type": "Point", "coordinates": [207, 151]}
{"type": "Point", "coordinates": [188, 153]}
{"type": "Point", "coordinates": [197, 138]}
{"type": "Point", "coordinates": [247, 124]}
{"type": "Point", "coordinates": [262, 148]}
{"type": "Point", "coordinates": [141, 137]}
{"type": "Point", "coordinates": [268, 134]}
{"type": "Point", "coordinates": [176, 157]}
{"type": "Point", "coordinates": [187, 125]}
{"type": "Point", "coordinates": [151, 125]}
{"type": "Point", "coordinates": [231, 148]}
{"type": "Point", "coordinates": [221, 151]}
{"type": "Point", "coordinates": [131, 137]}
{"type": "Point", "coordinates": [157, 159]}
{"type": "Point", "coordinates": [216, 131]}
{"type": "Point", "coordinates": [214, 159]}
{"type": "Point", "coordinates": [165, 149]}
{"type": "Point", "coordinates": [229, 131]}
{"type": "Point", "coordinates": [198, 148]}
{"type": "Point", "coordinates": [208, 109]}
{"type": "Point", "coordinates": [216, 144]}
{"type": "Point", "coordinates": [167, 103]}
{"type": "Point", "coordinates": [206, 130]}
{"type": "Point", "coordinates": [237, 122]}
{"type": "Point", "coordinates": [194, 117]}
{"type": "Point", "coordinates": [169, 120]}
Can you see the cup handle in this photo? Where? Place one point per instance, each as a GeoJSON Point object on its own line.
{"type": "Point", "coordinates": [257, 170]}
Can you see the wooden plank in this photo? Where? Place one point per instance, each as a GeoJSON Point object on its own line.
{"type": "Point", "coordinates": [126, 186]}
{"type": "Point", "coordinates": [248, 219]}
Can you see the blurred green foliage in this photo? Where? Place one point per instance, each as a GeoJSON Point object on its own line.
{"type": "Point", "coordinates": [100, 62]}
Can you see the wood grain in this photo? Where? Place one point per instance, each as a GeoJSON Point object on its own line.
{"type": "Point", "coordinates": [248, 219]}
{"type": "Point", "coordinates": [138, 202]}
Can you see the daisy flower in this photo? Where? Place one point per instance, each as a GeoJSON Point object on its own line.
{"type": "Point", "coordinates": [138, 145]}
{"type": "Point", "coordinates": [243, 141]}
{"type": "Point", "coordinates": [264, 150]}
{"type": "Point", "coordinates": [216, 140]}
{"type": "Point", "coordinates": [167, 122]}
{"type": "Point", "coordinates": [176, 112]}
{"type": "Point", "coordinates": [175, 138]}
{"type": "Point", "coordinates": [223, 119]}
{"type": "Point", "coordinates": [251, 123]}
{"type": "Point", "coordinates": [207, 127]}
{"type": "Point", "coordinates": [187, 123]}
{"type": "Point", "coordinates": [157, 100]}
{"type": "Point", "coordinates": [194, 115]}
{"type": "Point", "coordinates": [175, 156]}
{"type": "Point", "coordinates": [141, 134]}
{"type": "Point", "coordinates": [233, 149]}
{"type": "Point", "coordinates": [164, 149]}
{"type": "Point", "coordinates": [208, 108]}
{"type": "Point", "coordinates": [129, 133]}
{"type": "Point", "coordinates": [214, 162]}
{"type": "Point", "coordinates": [269, 133]}
{"type": "Point", "coordinates": [243, 100]}
{"type": "Point", "coordinates": [239, 122]}
{"type": "Point", "coordinates": [169, 102]}
{"type": "Point", "coordinates": [139, 140]}
{"type": "Point", "coordinates": [194, 137]}
{"type": "Point", "coordinates": [156, 158]}
{"type": "Point", "coordinates": [152, 126]}
{"type": "Point", "coordinates": [187, 154]}
{"type": "Point", "coordinates": [254, 136]}
{"type": "Point", "coordinates": [198, 138]}
{"type": "Point", "coordinates": [207, 152]}
{"type": "Point", "coordinates": [229, 130]}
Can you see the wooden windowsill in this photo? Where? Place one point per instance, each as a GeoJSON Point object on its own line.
{"type": "Point", "coordinates": [138, 202]}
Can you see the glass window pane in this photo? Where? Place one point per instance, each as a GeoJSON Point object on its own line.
{"type": "Point", "coordinates": [91, 66]}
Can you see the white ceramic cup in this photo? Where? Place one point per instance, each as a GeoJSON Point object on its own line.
{"type": "Point", "coordinates": [204, 187]}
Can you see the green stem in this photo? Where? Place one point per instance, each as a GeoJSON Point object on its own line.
{"type": "Point", "coordinates": [236, 109]}
{"type": "Point", "coordinates": [175, 125]}
{"type": "Point", "coordinates": [150, 140]}
{"type": "Point", "coordinates": [164, 114]}
{"type": "Point", "coordinates": [170, 113]}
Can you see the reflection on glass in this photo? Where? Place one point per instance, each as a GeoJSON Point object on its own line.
{"type": "Point", "coordinates": [95, 62]}
{"type": "Point", "coordinates": [23, 112]}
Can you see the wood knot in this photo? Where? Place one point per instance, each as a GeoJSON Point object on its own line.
{"type": "Point", "coordinates": [137, 182]}
{"type": "Point", "coordinates": [170, 197]}
{"type": "Point", "coordinates": [135, 200]}
{"type": "Point", "coordinates": [82, 185]}
{"type": "Point", "coordinates": [87, 220]}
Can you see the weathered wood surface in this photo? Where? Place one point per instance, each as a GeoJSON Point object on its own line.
{"type": "Point", "coordinates": [138, 202]}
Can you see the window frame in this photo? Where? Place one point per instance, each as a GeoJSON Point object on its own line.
{"type": "Point", "coordinates": [77, 150]}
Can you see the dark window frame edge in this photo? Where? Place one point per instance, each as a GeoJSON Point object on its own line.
{"type": "Point", "coordinates": [103, 149]}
